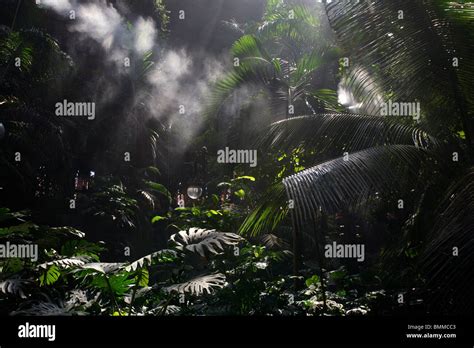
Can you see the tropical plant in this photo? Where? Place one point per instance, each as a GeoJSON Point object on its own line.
{"type": "Point", "coordinates": [280, 62]}
{"type": "Point", "coordinates": [375, 154]}
{"type": "Point", "coordinates": [30, 130]}
{"type": "Point", "coordinates": [75, 268]}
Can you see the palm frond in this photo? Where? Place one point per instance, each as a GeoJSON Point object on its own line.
{"type": "Point", "coordinates": [12, 46]}
{"type": "Point", "coordinates": [288, 29]}
{"type": "Point", "coordinates": [306, 66]}
{"type": "Point", "coordinates": [254, 75]}
{"type": "Point", "coordinates": [407, 49]}
{"type": "Point", "coordinates": [272, 241]}
{"type": "Point", "coordinates": [349, 182]}
{"type": "Point", "coordinates": [268, 214]}
{"type": "Point", "coordinates": [344, 132]}
{"type": "Point", "coordinates": [28, 45]}
{"type": "Point", "coordinates": [249, 46]}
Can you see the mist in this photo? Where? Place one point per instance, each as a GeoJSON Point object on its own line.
{"type": "Point", "coordinates": [171, 90]}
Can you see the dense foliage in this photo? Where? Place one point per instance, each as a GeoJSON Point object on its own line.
{"type": "Point", "coordinates": [133, 217]}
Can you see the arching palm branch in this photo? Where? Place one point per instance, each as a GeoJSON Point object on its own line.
{"type": "Point", "coordinates": [410, 51]}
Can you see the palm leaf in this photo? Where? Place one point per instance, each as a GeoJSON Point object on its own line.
{"type": "Point", "coordinates": [409, 58]}
{"type": "Point", "coordinates": [12, 46]}
{"type": "Point", "coordinates": [249, 46]}
{"type": "Point", "coordinates": [255, 75]}
{"type": "Point", "coordinates": [342, 183]}
{"type": "Point", "coordinates": [268, 214]}
{"type": "Point", "coordinates": [291, 33]}
{"type": "Point", "coordinates": [306, 66]}
{"type": "Point", "coordinates": [272, 241]}
{"type": "Point", "coordinates": [343, 132]}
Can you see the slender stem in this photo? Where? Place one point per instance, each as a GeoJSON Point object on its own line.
{"type": "Point", "coordinates": [131, 300]}
{"type": "Point", "coordinates": [114, 300]}
{"type": "Point", "coordinates": [18, 4]}
{"type": "Point", "coordinates": [165, 306]}
{"type": "Point", "coordinates": [320, 258]}
{"type": "Point", "coordinates": [296, 248]}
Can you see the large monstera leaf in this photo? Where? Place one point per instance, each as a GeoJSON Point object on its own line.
{"type": "Point", "coordinates": [42, 308]}
{"type": "Point", "coordinates": [65, 263]}
{"type": "Point", "coordinates": [104, 267]}
{"type": "Point", "coordinates": [148, 259]}
{"type": "Point", "coordinates": [206, 284]}
{"type": "Point", "coordinates": [202, 241]}
{"type": "Point", "coordinates": [14, 286]}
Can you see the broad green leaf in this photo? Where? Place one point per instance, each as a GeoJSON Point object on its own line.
{"type": "Point", "coordinates": [159, 188]}
{"type": "Point", "coordinates": [50, 276]}
{"type": "Point", "coordinates": [157, 218]}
